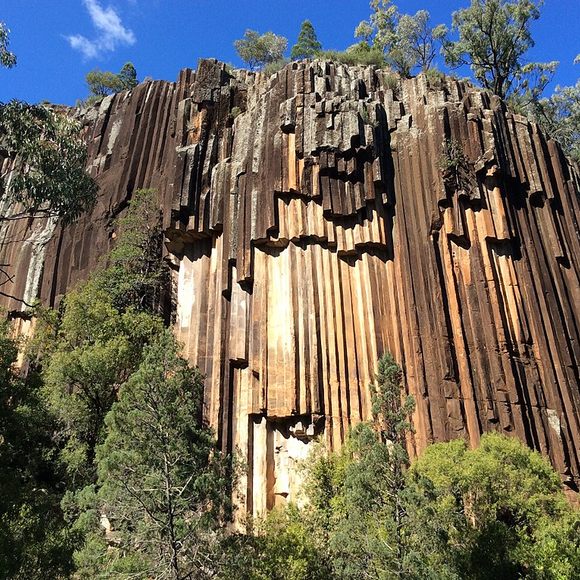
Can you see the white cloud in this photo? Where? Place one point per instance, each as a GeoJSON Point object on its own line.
{"type": "Point", "coordinates": [110, 29]}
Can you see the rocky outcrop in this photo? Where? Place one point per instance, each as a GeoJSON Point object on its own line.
{"type": "Point", "coordinates": [322, 216]}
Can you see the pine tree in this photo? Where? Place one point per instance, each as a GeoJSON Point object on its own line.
{"type": "Point", "coordinates": [128, 76]}
{"type": "Point", "coordinates": [163, 485]}
{"type": "Point", "coordinates": [307, 45]}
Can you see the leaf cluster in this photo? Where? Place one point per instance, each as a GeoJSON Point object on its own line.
{"type": "Point", "coordinates": [493, 38]}
{"type": "Point", "coordinates": [96, 341]}
{"type": "Point", "coordinates": [360, 54]}
{"type": "Point", "coordinates": [559, 117]}
{"type": "Point", "coordinates": [496, 511]}
{"type": "Point", "coordinates": [34, 539]}
{"type": "Point", "coordinates": [50, 156]}
{"type": "Point", "coordinates": [103, 83]}
{"type": "Point", "coordinates": [259, 50]}
{"type": "Point", "coordinates": [7, 58]}
{"type": "Point", "coordinates": [162, 484]}
{"type": "Point", "coordinates": [407, 41]}
{"type": "Point", "coordinates": [308, 45]}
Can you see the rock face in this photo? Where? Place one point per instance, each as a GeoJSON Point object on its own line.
{"type": "Point", "coordinates": [320, 217]}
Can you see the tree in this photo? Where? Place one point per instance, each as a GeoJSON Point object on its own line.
{"type": "Point", "coordinates": [48, 174]}
{"type": "Point", "coordinates": [34, 540]}
{"type": "Point", "coordinates": [103, 83]}
{"type": "Point", "coordinates": [136, 276]}
{"type": "Point", "coordinates": [259, 50]}
{"type": "Point", "coordinates": [128, 76]}
{"type": "Point", "coordinates": [406, 40]}
{"type": "Point", "coordinates": [7, 58]}
{"type": "Point", "coordinates": [162, 482]}
{"type": "Point", "coordinates": [357, 504]}
{"type": "Point", "coordinates": [499, 510]}
{"type": "Point", "coordinates": [494, 36]}
{"type": "Point", "coordinates": [97, 341]}
{"type": "Point", "coordinates": [307, 45]}
{"type": "Point", "coordinates": [559, 116]}
{"type": "Point", "coordinates": [416, 41]}
{"type": "Point", "coordinates": [368, 505]}
{"type": "Point", "coordinates": [97, 349]}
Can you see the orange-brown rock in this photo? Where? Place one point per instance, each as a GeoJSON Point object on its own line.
{"type": "Point", "coordinates": [322, 216]}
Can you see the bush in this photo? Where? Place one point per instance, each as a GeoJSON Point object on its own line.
{"type": "Point", "coordinates": [360, 54]}
{"type": "Point", "coordinates": [274, 67]}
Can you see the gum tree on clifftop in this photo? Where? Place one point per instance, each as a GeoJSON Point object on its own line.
{"type": "Point", "coordinates": [407, 41]}
{"type": "Point", "coordinates": [559, 116]}
{"type": "Point", "coordinates": [494, 36]}
{"type": "Point", "coordinates": [102, 83]}
{"type": "Point", "coordinates": [259, 50]}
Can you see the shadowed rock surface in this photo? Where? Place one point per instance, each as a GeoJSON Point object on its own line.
{"type": "Point", "coordinates": [322, 216]}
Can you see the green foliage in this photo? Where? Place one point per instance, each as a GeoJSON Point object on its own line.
{"type": "Point", "coordinates": [7, 58]}
{"type": "Point", "coordinates": [258, 50]}
{"type": "Point", "coordinates": [493, 512]}
{"type": "Point", "coordinates": [455, 167]}
{"type": "Point", "coordinates": [136, 276]}
{"type": "Point", "coordinates": [98, 347]}
{"type": "Point", "coordinates": [501, 508]}
{"type": "Point", "coordinates": [97, 342]}
{"type": "Point", "coordinates": [360, 54]}
{"type": "Point", "coordinates": [128, 76]}
{"type": "Point", "coordinates": [352, 525]}
{"type": "Point", "coordinates": [286, 549]}
{"type": "Point", "coordinates": [435, 78]}
{"type": "Point", "coordinates": [50, 175]}
{"type": "Point", "coordinates": [34, 541]}
{"type": "Point", "coordinates": [559, 116]}
{"type": "Point", "coordinates": [308, 45]}
{"type": "Point", "coordinates": [146, 488]}
{"type": "Point", "coordinates": [452, 157]}
{"type": "Point", "coordinates": [494, 36]}
{"type": "Point", "coordinates": [365, 487]}
{"type": "Point", "coordinates": [162, 483]}
{"type": "Point", "coordinates": [407, 41]}
{"type": "Point", "coordinates": [103, 83]}
{"type": "Point", "coordinates": [276, 66]}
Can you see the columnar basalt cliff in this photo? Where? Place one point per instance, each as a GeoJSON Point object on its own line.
{"type": "Point", "coordinates": [322, 216]}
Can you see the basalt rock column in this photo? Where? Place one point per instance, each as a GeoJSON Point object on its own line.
{"type": "Point", "coordinates": [344, 217]}
{"type": "Point", "coordinates": [322, 216]}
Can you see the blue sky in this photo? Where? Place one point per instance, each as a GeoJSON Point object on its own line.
{"type": "Point", "coordinates": [58, 41]}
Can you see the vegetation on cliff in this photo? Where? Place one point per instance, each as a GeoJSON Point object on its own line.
{"type": "Point", "coordinates": [108, 471]}
{"type": "Point", "coordinates": [491, 37]}
{"type": "Point", "coordinates": [157, 502]}
{"type": "Point", "coordinates": [103, 83]}
{"type": "Point", "coordinates": [108, 467]}
{"type": "Point", "coordinates": [47, 176]}
{"type": "Point", "coordinates": [496, 511]}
